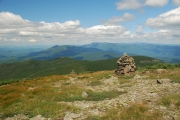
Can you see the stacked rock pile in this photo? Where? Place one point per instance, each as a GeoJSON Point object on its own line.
{"type": "Point", "coordinates": [126, 64]}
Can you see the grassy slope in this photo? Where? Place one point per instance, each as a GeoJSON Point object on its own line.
{"type": "Point", "coordinates": [47, 96]}
{"type": "Point", "coordinates": [32, 68]}
{"type": "Point", "coordinates": [64, 65]}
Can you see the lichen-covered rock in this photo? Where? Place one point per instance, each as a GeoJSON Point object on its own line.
{"type": "Point", "coordinates": [126, 64]}
{"type": "Point", "coordinates": [160, 71]}
{"type": "Point", "coordinates": [84, 94]}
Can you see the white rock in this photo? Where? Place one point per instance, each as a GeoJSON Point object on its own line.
{"type": "Point", "coordinates": [38, 117]}
{"type": "Point", "coordinates": [137, 76]}
{"type": "Point", "coordinates": [84, 94]}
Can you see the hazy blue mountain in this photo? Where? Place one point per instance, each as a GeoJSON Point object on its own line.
{"type": "Point", "coordinates": [93, 51]}
{"type": "Point", "coordinates": [11, 53]}
{"type": "Point", "coordinates": [167, 53]}
{"type": "Point", "coordinates": [76, 52]}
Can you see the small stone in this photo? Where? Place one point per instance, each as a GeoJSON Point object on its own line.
{"type": "Point", "coordinates": [172, 106]}
{"type": "Point", "coordinates": [160, 71]}
{"type": "Point", "coordinates": [71, 116]}
{"type": "Point", "coordinates": [121, 90]}
{"type": "Point", "coordinates": [137, 76]}
{"type": "Point", "coordinates": [162, 107]}
{"type": "Point", "coordinates": [158, 82]}
{"type": "Point", "coordinates": [84, 94]}
{"type": "Point", "coordinates": [38, 117]}
{"type": "Point", "coordinates": [163, 81]}
{"type": "Point", "coordinates": [67, 118]}
{"type": "Point", "coordinates": [176, 117]}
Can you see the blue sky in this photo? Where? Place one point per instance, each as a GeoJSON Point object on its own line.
{"type": "Point", "coordinates": [41, 22]}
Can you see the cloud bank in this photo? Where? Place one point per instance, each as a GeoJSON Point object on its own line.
{"type": "Point", "coordinates": [15, 30]}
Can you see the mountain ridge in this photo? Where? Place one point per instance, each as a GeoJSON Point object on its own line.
{"type": "Point", "coordinates": [63, 65]}
{"type": "Point", "coordinates": [162, 51]}
{"type": "Point", "coordinates": [97, 51]}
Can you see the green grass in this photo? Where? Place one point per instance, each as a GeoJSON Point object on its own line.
{"type": "Point", "coordinates": [95, 83]}
{"type": "Point", "coordinates": [17, 98]}
{"type": "Point", "coordinates": [173, 74]}
{"type": "Point", "coordinates": [171, 99]}
{"type": "Point", "coordinates": [133, 112]}
{"type": "Point", "coordinates": [93, 118]}
{"type": "Point", "coordinates": [75, 95]}
{"type": "Point", "coordinates": [35, 107]}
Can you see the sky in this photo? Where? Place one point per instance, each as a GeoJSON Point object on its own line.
{"type": "Point", "coordinates": [78, 22]}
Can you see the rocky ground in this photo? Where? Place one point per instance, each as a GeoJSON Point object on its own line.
{"type": "Point", "coordinates": [140, 89]}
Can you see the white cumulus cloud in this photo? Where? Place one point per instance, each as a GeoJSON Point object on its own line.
{"type": "Point", "coordinates": [8, 19]}
{"type": "Point", "coordinates": [21, 31]}
{"type": "Point", "coordinates": [117, 19]}
{"type": "Point", "coordinates": [105, 30]}
{"type": "Point", "coordinates": [139, 30]}
{"type": "Point", "coordinates": [128, 4]}
{"type": "Point", "coordinates": [169, 19]}
{"type": "Point", "coordinates": [156, 3]}
{"type": "Point", "coordinates": [69, 32]}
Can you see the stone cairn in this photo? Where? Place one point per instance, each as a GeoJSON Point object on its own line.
{"type": "Point", "coordinates": [126, 65]}
{"type": "Point", "coordinates": [73, 72]}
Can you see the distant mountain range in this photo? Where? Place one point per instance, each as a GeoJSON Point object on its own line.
{"type": "Point", "coordinates": [94, 51]}
{"type": "Point", "coordinates": [76, 52]}
{"type": "Point", "coordinates": [167, 53]}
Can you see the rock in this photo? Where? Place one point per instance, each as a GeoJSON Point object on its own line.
{"type": "Point", "coordinates": [67, 118]}
{"type": "Point", "coordinates": [162, 107]}
{"type": "Point", "coordinates": [163, 81]}
{"type": "Point", "coordinates": [17, 117]}
{"type": "Point", "coordinates": [158, 82]}
{"type": "Point", "coordinates": [176, 117]}
{"type": "Point", "coordinates": [160, 71]}
{"type": "Point", "coordinates": [121, 90]}
{"type": "Point", "coordinates": [137, 76]}
{"type": "Point", "coordinates": [84, 94]}
{"type": "Point", "coordinates": [126, 64]}
{"type": "Point", "coordinates": [172, 106]}
{"type": "Point", "coordinates": [71, 116]}
{"type": "Point", "coordinates": [38, 117]}
{"type": "Point", "coordinates": [127, 68]}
